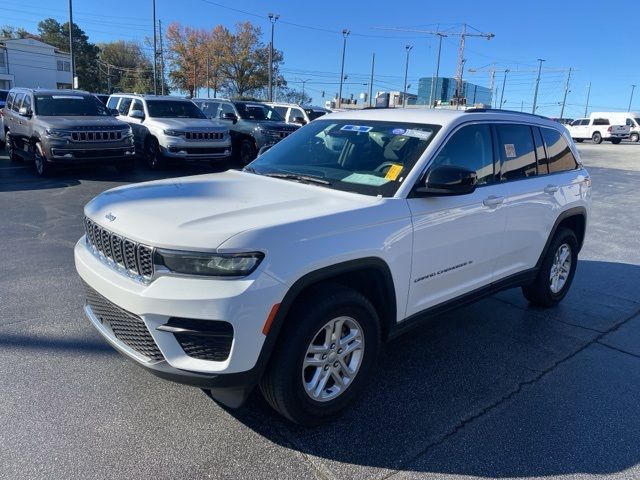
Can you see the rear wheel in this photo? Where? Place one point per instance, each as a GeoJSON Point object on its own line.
{"type": "Point", "coordinates": [324, 356]}
{"type": "Point", "coordinates": [556, 272]}
{"type": "Point", "coordinates": [579, 140]}
{"type": "Point", "coordinates": [596, 138]}
{"type": "Point", "coordinates": [152, 154]}
{"type": "Point", "coordinates": [43, 168]}
{"type": "Point", "coordinates": [616, 141]}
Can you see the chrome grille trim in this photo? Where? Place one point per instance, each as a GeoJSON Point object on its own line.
{"type": "Point", "coordinates": [203, 136]}
{"type": "Point", "coordinates": [97, 135]}
{"type": "Point", "coordinates": [128, 257]}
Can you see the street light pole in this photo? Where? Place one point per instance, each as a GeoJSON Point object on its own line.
{"type": "Point", "coordinates": [633, 87]}
{"type": "Point", "coordinates": [504, 80]}
{"type": "Point", "coordinates": [566, 91]}
{"type": "Point", "coordinates": [73, 60]}
{"type": "Point", "coordinates": [535, 95]}
{"type": "Point", "coordinates": [273, 18]}
{"type": "Point", "coordinates": [434, 88]}
{"type": "Point", "coordinates": [345, 34]}
{"type": "Point", "coordinates": [586, 107]}
{"type": "Point", "coordinates": [373, 63]}
{"type": "Point", "coordinates": [408, 48]}
{"type": "Point", "coordinates": [155, 50]}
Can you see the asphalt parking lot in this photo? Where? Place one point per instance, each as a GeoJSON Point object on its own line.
{"type": "Point", "coordinates": [496, 389]}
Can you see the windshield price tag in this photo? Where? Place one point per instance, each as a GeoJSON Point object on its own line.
{"type": "Point", "coordinates": [393, 172]}
{"type": "Point", "coordinates": [356, 128]}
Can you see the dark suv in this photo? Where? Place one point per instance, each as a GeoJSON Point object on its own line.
{"type": "Point", "coordinates": [64, 127]}
{"type": "Point", "coordinates": [253, 125]}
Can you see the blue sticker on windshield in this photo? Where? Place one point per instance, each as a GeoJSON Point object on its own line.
{"type": "Point", "coordinates": [356, 128]}
{"type": "Point", "coordinates": [398, 131]}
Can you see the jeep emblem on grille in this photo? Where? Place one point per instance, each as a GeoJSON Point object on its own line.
{"type": "Point", "coordinates": [110, 216]}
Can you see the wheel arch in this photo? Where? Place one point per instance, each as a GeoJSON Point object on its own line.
{"type": "Point", "coordinates": [573, 218]}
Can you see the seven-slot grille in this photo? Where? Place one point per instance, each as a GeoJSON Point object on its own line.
{"type": "Point", "coordinates": [203, 135]}
{"type": "Point", "coordinates": [126, 327]}
{"type": "Point", "coordinates": [134, 257]}
{"type": "Point", "coordinates": [277, 135]}
{"type": "Point", "coordinates": [106, 135]}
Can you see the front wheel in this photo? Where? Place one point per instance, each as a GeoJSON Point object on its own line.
{"type": "Point", "coordinates": [616, 141]}
{"type": "Point", "coordinates": [153, 155]}
{"type": "Point", "coordinates": [579, 140]}
{"type": "Point", "coordinates": [247, 151]}
{"type": "Point", "coordinates": [323, 356]}
{"type": "Point", "coordinates": [556, 272]}
{"type": "Point", "coordinates": [634, 137]}
{"type": "Point", "coordinates": [43, 168]}
{"type": "Point", "coordinates": [596, 138]}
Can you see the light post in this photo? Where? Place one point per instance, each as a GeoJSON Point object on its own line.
{"type": "Point", "coordinates": [72, 56]}
{"type": "Point", "coordinates": [345, 34]}
{"type": "Point", "coordinates": [504, 80]}
{"type": "Point", "coordinates": [408, 48]}
{"type": "Point", "coordinates": [633, 87]}
{"type": "Point", "coordinates": [273, 18]}
{"type": "Point", "coordinates": [155, 50]}
{"type": "Point", "coordinates": [535, 95]}
{"type": "Point", "coordinates": [434, 88]}
{"type": "Point", "coordinates": [586, 107]}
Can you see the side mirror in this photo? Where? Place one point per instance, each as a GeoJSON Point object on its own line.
{"type": "Point", "coordinates": [229, 116]}
{"type": "Point", "coordinates": [114, 112]}
{"type": "Point", "coordinates": [24, 112]}
{"type": "Point", "coordinates": [448, 180]}
{"type": "Point", "coordinates": [139, 114]}
{"type": "Point", "coordinates": [299, 120]}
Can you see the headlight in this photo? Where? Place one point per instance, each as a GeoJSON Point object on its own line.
{"type": "Point", "coordinates": [57, 133]}
{"type": "Point", "coordinates": [209, 264]}
{"type": "Point", "coordinates": [173, 133]}
{"type": "Point", "coordinates": [128, 132]}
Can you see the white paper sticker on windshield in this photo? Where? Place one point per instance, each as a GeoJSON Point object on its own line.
{"type": "Point", "coordinates": [422, 135]}
{"type": "Point", "coordinates": [65, 97]}
{"type": "Point", "coordinates": [365, 179]}
{"type": "Point", "coordinates": [510, 150]}
{"type": "Point", "coordinates": [356, 128]}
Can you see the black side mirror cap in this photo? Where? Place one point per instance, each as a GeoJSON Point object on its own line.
{"type": "Point", "coordinates": [448, 180]}
{"type": "Point", "coordinates": [229, 116]}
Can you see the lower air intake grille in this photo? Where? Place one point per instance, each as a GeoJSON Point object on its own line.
{"type": "Point", "coordinates": [204, 339]}
{"type": "Point", "coordinates": [127, 327]}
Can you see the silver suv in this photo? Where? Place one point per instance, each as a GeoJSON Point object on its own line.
{"type": "Point", "coordinates": [64, 127]}
{"type": "Point", "coordinates": [171, 127]}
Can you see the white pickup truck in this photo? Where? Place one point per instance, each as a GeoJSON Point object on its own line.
{"type": "Point", "coordinates": [598, 128]}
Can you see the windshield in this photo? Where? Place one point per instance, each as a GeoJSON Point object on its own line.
{"type": "Point", "coordinates": [69, 106]}
{"type": "Point", "coordinates": [257, 111]}
{"type": "Point", "coordinates": [313, 114]}
{"type": "Point", "coordinates": [369, 157]}
{"type": "Point", "coordinates": [173, 109]}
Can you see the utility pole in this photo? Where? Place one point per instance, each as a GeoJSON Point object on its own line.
{"type": "Point", "coordinates": [408, 48]}
{"type": "Point", "coordinates": [586, 107]}
{"type": "Point", "coordinates": [373, 63]}
{"type": "Point", "coordinates": [345, 34]}
{"type": "Point", "coordinates": [273, 18]}
{"type": "Point", "coordinates": [155, 50]}
{"type": "Point", "coordinates": [303, 84]}
{"type": "Point", "coordinates": [208, 76]}
{"type": "Point", "coordinates": [504, 80]}
{"type": "Point", "coordinates": [73, 59]}
{"type": "Point", "coordinates": [195, 63]}
{"type": "Point", "coordinates": [434, 84]}
{"type": "Point", "coordinates": [566, 91]}
{"type": "Point", "coordinates": [108, 79]}
{"type": "Point", "coordinates": [535, 95]}
{"type": "Point", "coordinates": [633, 87]}
{"type": "Point", "coordinates": [161, 58]}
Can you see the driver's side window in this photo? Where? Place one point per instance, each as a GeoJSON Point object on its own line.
{"type": "Point", "coordinates": [471, 148]}
{"type": "Point", "coordinates": [226, 108]}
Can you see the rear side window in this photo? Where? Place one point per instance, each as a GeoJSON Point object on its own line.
{"type": "Point", "coordinates": [113, 102]}
{"type": "Point", "coordinates": [471, 148]}
{"type": "Point", "coordinates": [541, 155]}
{"type": "Point", "coordinates": [125, 103]}
{"type": "Point", "coordinates": [559, 154]}
{"type": "Point", "coordinates": [517, 152]}
{"type": "Point", "coordinates": [601, 121]}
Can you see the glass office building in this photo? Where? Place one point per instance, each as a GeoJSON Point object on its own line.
{"type": "Point", "coordinates": [445, 90]}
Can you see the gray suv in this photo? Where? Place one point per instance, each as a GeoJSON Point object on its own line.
{"type": "Point", "coordinates": [64, 127]}
{"type": "Point", "coordinates": [253, 125]}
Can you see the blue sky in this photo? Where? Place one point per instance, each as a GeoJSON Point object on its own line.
{"type": "Point", "coordinates": [600, 44]}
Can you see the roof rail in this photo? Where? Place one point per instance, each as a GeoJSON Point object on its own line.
{"type": "Point", "coordinates": [499, 110]}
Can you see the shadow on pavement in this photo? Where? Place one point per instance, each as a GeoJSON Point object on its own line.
{"type": "Point", "coordinates": [531, 389]}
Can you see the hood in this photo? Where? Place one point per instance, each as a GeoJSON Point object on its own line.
{"type": "Point", "coordinates": [82, 121]}
{"type": "Point", "coordinates": [201, 212]}
{"type": "Point", "coordinates": [187, 123]}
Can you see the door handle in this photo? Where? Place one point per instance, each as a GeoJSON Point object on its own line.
{"type": "Point", "coordinates": [551, 189]}
{"type": "Point", "coordinates": [492, 201]}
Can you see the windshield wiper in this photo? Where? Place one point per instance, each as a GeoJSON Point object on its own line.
{"type": "Point", "coordinates": [300, 178]}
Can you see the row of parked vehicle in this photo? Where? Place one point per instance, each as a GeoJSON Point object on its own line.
{"type": "Point", "coordinates": [58, 127]}
{"type": "Point", "coordinates": [606, 126]}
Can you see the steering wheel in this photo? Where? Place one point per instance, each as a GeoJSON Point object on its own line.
{"type": "Point", "coordinates": [384, 167]}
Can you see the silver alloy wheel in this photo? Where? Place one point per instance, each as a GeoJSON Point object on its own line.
{"type": "Point", "coordinates": [560, 268]}
{"type": "Point", "coordinates": [333, 359]}
{"type": "Point", "coordinates": [38, 160]}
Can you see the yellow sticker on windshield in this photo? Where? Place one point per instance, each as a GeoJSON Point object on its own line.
{"type": "Point", "coordinates": [393, 172]}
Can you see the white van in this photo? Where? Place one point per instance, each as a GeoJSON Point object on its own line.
{"type": "Point", "coordinates": [630, 119]}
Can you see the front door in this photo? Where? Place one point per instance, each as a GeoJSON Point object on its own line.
{"type": "Point", "coordinates": [457, 239]}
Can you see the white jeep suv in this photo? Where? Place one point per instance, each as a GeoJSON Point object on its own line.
{"type": "Point", "coordinates": [359, 226]}
{"type": "Point", "coordinates": [171, 127]}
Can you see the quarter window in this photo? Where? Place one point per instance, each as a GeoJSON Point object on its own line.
{"type": "Point", "coordinates": [517, 152]}
{"type": "Point", "coordinates": [541, 155]}
{"type": "Point", "coordinates": [559, 154]}
{"type": "Point", "coordinates": [125, 103]}
{"type": "Point", "coordinates": [470, 147]}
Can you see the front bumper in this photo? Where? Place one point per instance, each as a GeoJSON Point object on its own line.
{"type": "Point", "coordinates": [244, 303]}
{"type": "Point", "coordinates": [195, 150]}
{"type": "Point", "coordinates": [68, 152]}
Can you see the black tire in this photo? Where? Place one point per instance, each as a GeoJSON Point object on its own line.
{"type": "Point", "coordinates": [596, 138]}
{"type": "Point", "coordinates": [634, 137]}
{"type": "Point", "coordinates": [9, 148]}
{"type": "Point", "coordinates": [246, 152]}
{"type": "Point", "coordinates": [125, 167]}
{"type": "Point", "coordinates": [43, 168]}
{"type": "Point", "coordinates": [282, 385]}
{"type": "Point", "coordinates": [579, 140]}
{"type": "Point", "coordinates": [153, 154]}
{"type": "Point", "coordinates": [616, 141]}
{"type": "Point", "coordinates": [540, 292]}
